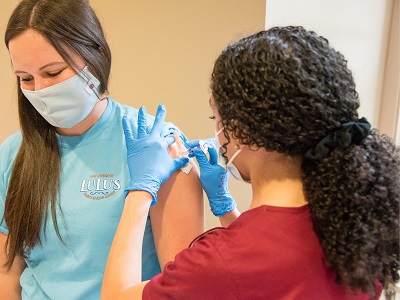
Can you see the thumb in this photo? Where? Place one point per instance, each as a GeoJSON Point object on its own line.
{"type": "Point", "coordinates": [213, 156]}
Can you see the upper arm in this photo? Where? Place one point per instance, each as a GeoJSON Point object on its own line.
{"type": "Point", "coordinates": [9, 280]}
{"type": "Point", "coordinates": [178, 216]}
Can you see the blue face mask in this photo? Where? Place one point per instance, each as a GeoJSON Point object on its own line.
{"type": "Point", "coordinates": [221, 160]}
{"type": "Point", "coordinates": [67, 103]}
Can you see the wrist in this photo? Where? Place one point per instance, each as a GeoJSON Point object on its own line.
{"type": "Point", "coordinates": [229, 217]}
{"type": "Point", "coordinates": [149, 186]}
{"type": "Point", "coordinates": [223, 205]}
{"type": "Point", "coordinates": [138, 196]}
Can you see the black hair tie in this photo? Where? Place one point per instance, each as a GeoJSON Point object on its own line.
{"type": "Point", "coordinates": [351, 133]}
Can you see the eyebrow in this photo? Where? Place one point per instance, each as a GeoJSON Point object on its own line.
{"type": "Point", "coordinates": [43, 67]}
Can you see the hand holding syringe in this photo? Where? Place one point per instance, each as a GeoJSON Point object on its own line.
{"type": "Point", "coordinates": [185, 150]}
{"type": "Point", "coordinates": [213, 177]}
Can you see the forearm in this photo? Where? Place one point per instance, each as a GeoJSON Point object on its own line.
{"type": "Point", "coordinates": [124, 264]}
{"type": "Point", "coordinates": [9, 279]}
{"type": "Point", "coordinates": [229, 217]}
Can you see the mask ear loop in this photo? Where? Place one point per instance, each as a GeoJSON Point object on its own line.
{"type": "Point", "coordinates": [234, 155]}
{"type": "Point", "coordinates": [89, 83]}
{"type": "Point", "coordinates": [219, 131]}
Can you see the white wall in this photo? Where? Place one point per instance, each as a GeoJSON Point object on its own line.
{"type": "Point", "coordinates": [359, 29]}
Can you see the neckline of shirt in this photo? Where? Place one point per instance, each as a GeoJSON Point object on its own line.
{"type": "Point", "coordinates": [92, 133]}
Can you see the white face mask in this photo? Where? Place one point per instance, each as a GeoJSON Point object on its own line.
{"type": "Point", "coordinates": [230, 165]}
{"type": "Point", "coordinates": [67, 103]}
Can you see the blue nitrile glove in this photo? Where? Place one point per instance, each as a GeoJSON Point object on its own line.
{"type": "Point", "coordinates": [148, 160]}
{"type": "Point", "coordinates": [214, 179]}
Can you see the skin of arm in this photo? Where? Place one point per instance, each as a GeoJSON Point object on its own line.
{"type": "Point", "coordinates": [178, 217]}
{"type": "Point", "coordinates": [122, 276]}
{"type": "Point", "coordinates": [9, 280]}
{"type": "Point", "coordinates": [229, 217]}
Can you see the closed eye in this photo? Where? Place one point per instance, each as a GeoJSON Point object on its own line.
{"type": "Point", "coordinates": [55, 74]}
{"type": "Point", "coordinates": [26, 79]}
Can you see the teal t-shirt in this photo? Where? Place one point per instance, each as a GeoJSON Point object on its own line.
{"type": "Point", "coordinates": [94, 176]}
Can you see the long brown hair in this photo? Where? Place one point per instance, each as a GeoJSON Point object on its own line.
{"type": "Point", "coordinates": [69, 25]}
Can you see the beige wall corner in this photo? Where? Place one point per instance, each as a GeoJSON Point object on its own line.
{"type": "Point", "coordinates": [389, 120]}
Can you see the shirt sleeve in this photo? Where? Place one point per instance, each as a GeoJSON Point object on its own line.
{"type": "Point", "coordinates": [200, 272]}
{"type": "Point", "coordinates": [3, 226]}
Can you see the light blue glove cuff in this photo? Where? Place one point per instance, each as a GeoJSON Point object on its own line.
{"type": "Point", "coordinates": [149, 186]}
{"type": "Point", "coordinates": [220, 208]}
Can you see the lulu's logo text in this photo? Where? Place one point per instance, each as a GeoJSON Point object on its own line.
{"type": "Point", "coordinates": [100, 187]}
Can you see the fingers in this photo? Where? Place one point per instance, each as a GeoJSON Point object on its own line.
{"type": "Point", "coordinates": [126, 125]}
{"type": "Point", "coordinates": [142, 123]}
{"type": "Point", "coordinates": [213, 155]}
{"type": "Point", "coordinates": [159, 120]}
{"type": "Point", "coordinates": [200, 156]}
{"type": "Point", "coordinates": [192, 143]}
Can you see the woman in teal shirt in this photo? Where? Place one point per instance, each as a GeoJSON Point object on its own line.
{"type": "Point", "coordinates": [63, 175]}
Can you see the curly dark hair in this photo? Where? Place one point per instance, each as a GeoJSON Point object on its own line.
{"type": "Point", "coordinates": [285, 89]}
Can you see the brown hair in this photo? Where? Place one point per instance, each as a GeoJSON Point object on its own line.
{"type": "Point", "coordinates": [69, 25]}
